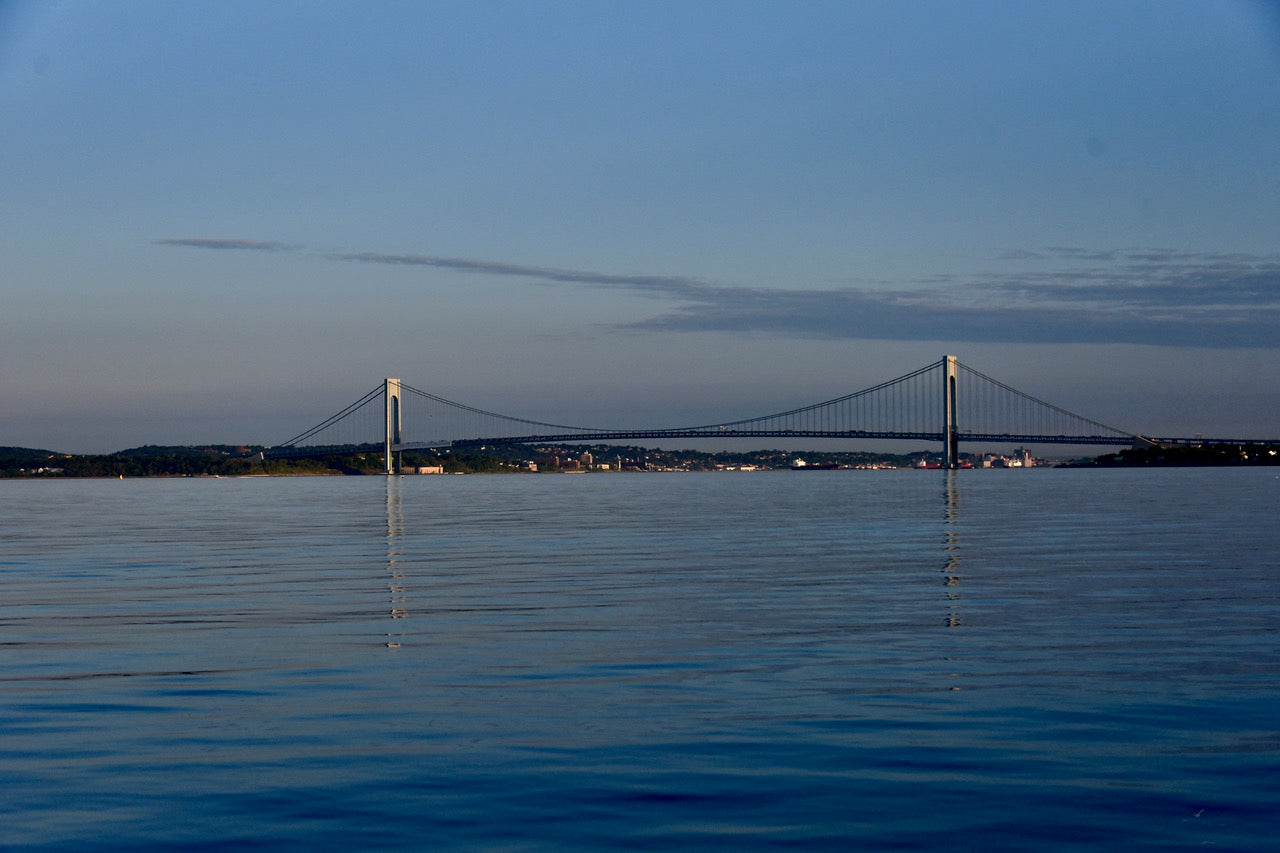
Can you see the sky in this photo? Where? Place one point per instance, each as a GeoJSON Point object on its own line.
{"type": "Point", "coordinates": [221, 222]}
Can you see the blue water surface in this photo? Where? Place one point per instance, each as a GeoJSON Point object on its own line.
{"type": "Point", "coordinates": [1002, 660]}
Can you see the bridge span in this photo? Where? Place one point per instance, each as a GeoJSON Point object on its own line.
{"type": "Point", "coordinates": [945, 402]}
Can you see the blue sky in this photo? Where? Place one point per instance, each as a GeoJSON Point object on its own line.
{"type": "Point", "coordinates": [224, 221]}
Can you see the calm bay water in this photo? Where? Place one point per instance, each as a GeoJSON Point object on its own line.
{"type": "Point", "coordinates": [915, 659]}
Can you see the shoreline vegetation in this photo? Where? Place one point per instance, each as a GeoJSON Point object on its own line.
{"type": "Point", "coordinates": [244, 460]}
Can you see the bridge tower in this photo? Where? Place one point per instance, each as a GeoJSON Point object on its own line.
{"type": "Point", "coordinates": [391, 400]}
{"type": "Point", "coordinates": [950, 432]}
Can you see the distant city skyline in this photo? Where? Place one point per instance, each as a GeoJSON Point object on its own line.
{"type": "Point", "coordinates": [224, 221]}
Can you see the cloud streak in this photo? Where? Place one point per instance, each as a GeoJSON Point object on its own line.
{"type": "Point", "coordinates": [1054, 295]}
{"type": "Point", "coordinates": [663, 285]}
{"type": "Point", "coordinates": [216, 243]}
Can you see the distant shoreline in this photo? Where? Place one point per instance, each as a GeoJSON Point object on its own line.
{"type": "Point", "coordinates": [213, 461]}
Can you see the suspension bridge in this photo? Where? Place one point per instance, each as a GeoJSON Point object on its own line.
{"type": "Point", "coordinates": [945, 402]}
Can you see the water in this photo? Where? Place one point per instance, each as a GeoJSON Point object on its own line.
{"type": "Point", "coordinates": [986, 659]}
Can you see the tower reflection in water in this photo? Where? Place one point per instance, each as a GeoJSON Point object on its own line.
{"type": "Point", "coordinates": [395, 569]}
{"type": "Point", "coordinates": [951, 566]}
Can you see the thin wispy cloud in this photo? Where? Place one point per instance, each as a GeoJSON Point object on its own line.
{"type": "Point", "coordinates": [667, 285]}
{"type": "Point", "coordinates": [216, 243]}
{"type": "Point", "coordinates": [1059, 295]}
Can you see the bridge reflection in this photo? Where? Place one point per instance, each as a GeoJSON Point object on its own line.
{"type": "Point", "coordinates": [951, 547]}
{"type": "Point", "coordinates": [396, 589]}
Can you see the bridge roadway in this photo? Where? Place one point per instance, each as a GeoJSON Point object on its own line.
{"type": "Point", "coordinates": [632, 435]}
